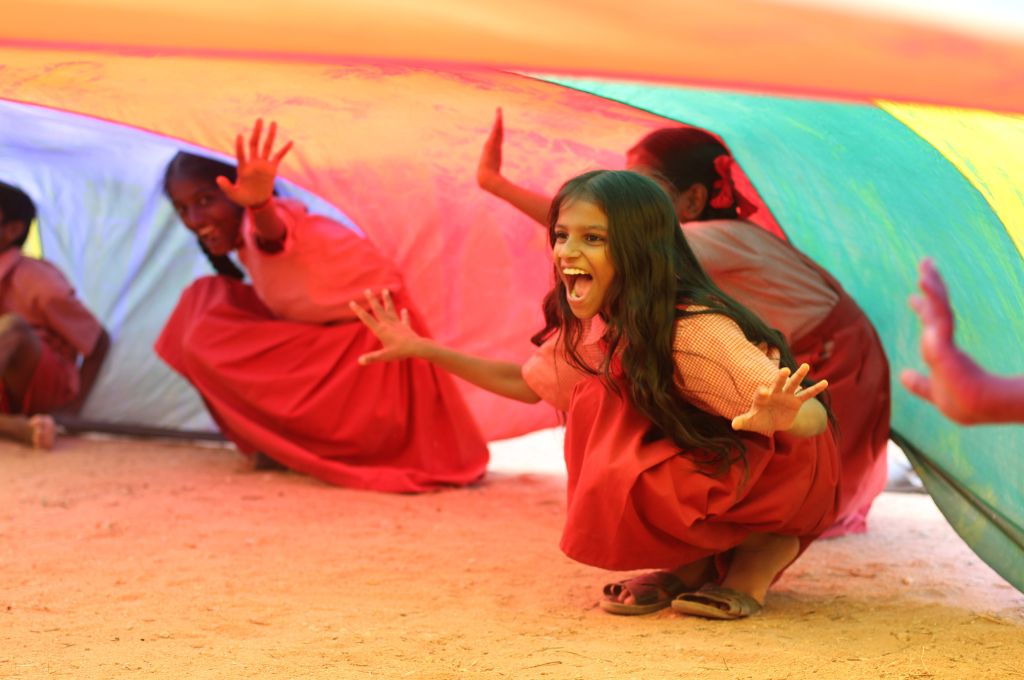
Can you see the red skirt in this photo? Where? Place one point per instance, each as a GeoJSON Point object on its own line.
{"type": "Point", "coordinates": [845, 350]}
{"type": "Point", "coordinates": [636, 505]}
{"type": "Point", "coordinates": [295, 392]}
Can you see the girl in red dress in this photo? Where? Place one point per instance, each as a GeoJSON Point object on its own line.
{"type": "Point", "coordinates": [691, 445]}
{"type": "Point", "coordinates": [276, 361]}
{"type": "Point", "coordinates": [823, 325]}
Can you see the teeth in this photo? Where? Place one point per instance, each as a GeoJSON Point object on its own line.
{"type": "Point", "coordinates": [571, 271]}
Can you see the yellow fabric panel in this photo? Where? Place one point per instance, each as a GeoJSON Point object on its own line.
{"type": "Point", "coordinates": [988, 148]}
{"type": "Point", "coordinates": [33, 247]}
{"type": "Point", "coordinates": [738, 44]}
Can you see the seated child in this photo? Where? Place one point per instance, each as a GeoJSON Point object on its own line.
{"type": "Point", "coordinates": [44, 329]}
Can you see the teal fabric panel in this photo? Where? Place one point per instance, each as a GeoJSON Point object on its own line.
{"type": "Point", "coordinates": [868, 198]}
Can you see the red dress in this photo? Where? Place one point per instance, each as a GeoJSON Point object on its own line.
{"type": "Point", "coordinates": [635, 505]}
{"type": "Point", "coordinates": [292, 389]}
{"type": "Point", "coordinates": [826, 330]}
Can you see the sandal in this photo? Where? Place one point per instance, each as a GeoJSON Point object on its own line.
{"type": "Point", "coordinates": [716, 602]}
{"type": "Point", "coordinates": [651, 592]}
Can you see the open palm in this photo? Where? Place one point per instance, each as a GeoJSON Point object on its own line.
{"type": "Point", "coordinates": [775, 407]}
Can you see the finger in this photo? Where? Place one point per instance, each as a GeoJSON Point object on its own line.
{"type": "Point", "coordinates": [917, 303]}
{"type": "Point", "coordinates": [280, 154]}
{"type": "Point", "coordinates": [499, 125]}
{"type": "Point", "coordinates": [780, 380]}
{"type": "Point", "coordinates": [363, 316]}
{"type": "Point", "coordinates": [372, 357]}
{"type": "Point", "coordinates": [224, 184]}
{"type": "Point", "coordinates": [405, 318]}
{"type": "Point", "coordinates": [254, 140]}
{"type": "Point", "coordinates": [916, 383]}
{"type": "Point", "coordinates": [814, 390]}
{"type": "Point", "coordinates": [389, 304]}
{"type": "Point", "coordinates": [378, 310]}
{"type": "Point", "coordinates": [269, 144]}
{"type": "Point", "coordinates": [240, 148]}
{"type": "Point", "coordinates": [793, 383]}
{"type": "Point", "coordinates": [740, 421]}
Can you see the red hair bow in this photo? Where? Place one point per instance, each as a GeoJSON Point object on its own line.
{"type": "Point", "coordinates": [727, 196]}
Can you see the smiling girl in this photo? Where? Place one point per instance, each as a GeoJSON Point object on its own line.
{"type": "Point", "coordinates": [691, 445]}
{"type": "Point", "coordinates": [276, 361]}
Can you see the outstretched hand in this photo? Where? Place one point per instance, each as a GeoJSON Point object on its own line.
{"type": "Point", "coordinates": [776, 407]}
{"type": "Point", "coordinates": [956, 382]}
{"type": "Point", "coordinates": [257, 170]}
{"type": "Point", "coordinates": [488, 172]}
{"type": "Point", "coordinates": [392, 328]}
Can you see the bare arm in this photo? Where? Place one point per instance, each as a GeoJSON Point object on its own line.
{"type": "Point", "coordinates": [400, 341]}
{"type": "Point", "coordinates": [961, 389]}
{"type": "Point", "coordinates": [87, 374]}
{"type": "Point", "coordinates": [490, 179]}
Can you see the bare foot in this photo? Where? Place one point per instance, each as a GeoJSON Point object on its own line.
{"type": "Point", "coordinates": [687, 577]}
{"type": "Point", "coordinates": [757, 561]}
{"type": "Point", "coordinates": [44, 431]}
{"type": "Point", "coordinates": [38, 431]}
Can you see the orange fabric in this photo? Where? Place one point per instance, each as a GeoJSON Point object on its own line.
{"type": "Point", "coordinates": [764, 46]}
{"type": "Point", "coordinates": [371, 141]}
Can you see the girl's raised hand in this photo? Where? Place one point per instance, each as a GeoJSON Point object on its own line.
{"type": "Point", "coordinates": [393, 330]}
{"type": "Point", "coordinates": [488, 172]}
{"type": "Point", "coordinates": [775, 408]}
{"type": "Point", "coordinates": [256, 170]}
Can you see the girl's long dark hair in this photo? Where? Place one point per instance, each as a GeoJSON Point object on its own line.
{"type": "Point", "coordinates": [204, 169]}
{"type": "Point", "coordinates": [686, 156]}
{"type": "Point", "coordinates": [655, 273]}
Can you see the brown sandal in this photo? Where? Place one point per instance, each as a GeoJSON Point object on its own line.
{"type": "Point", "coordinates": [716, 602]}
{"type": "Point", "coordinates": [652, 591]}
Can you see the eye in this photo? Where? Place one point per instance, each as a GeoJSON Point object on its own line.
{"type": "Point", "coordinates": [561, 235]}
{"type": "Point", "coordinates": [593, 238]}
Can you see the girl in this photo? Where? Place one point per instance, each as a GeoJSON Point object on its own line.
{"type": "Point", "coordinates": [276, 361]}
{"type": "Point", "coordinates": [794, 295]}
{"type": "Point", "coordinates": [688, 448]}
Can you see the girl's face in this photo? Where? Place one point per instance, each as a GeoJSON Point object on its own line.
{"type": "Point", "coordinates": [582, 257]}
{"type": "Point", "coordinates": [207, 212]}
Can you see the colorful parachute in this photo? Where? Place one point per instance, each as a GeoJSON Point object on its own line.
{"type": "Point", "coordinates": [389, 103]}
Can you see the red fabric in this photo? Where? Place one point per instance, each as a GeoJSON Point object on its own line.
{"type": "Point", "coordinates": [54, 383]}
{"type": "Point", "coordinates": [295, 392]}
{"type": "Point", "coordinates": [845, 350]}
{"type": "Point", "coordinates": [633, 505]}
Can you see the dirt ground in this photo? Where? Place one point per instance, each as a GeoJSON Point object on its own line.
{"type": "Point", "coordinates": [142, 559]}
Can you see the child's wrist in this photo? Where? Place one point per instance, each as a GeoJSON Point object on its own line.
{"type": "Point", "coordinates": [262, 204]}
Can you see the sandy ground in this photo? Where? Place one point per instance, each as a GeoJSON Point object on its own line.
{"type": "Point", "coordinates": [142, 559]}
